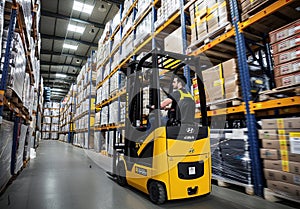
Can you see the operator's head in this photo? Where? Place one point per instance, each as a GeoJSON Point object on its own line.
{"type": "Point", "coordinates": [179, 82]}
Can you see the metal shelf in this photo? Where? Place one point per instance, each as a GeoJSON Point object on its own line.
{"type": "Point", "coordinates": [116, 96]}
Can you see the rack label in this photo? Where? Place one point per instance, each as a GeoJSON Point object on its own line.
{"type": "Point", "coordinates": [295, 142]}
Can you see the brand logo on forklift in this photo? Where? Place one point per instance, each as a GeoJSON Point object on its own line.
{"type": "Point", "coordinates": [141, 171]}
{"type": "Point", "coordinates": [191, 150]}
{"type": "Point", "coordinates": [190, 130]}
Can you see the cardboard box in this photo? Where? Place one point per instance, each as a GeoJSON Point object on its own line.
{"type": "Point", "coordinates": [270, 144]}
{"type": "Point", "coordinates": [294, 167]}
{"type": "Point", "coordinates": [201, 8]}
{"type": "Point", "coordinates": [286, 44]}
{"type": "Point", "coordinates": [214, 83]}
{"type": "Point", "coordinates": [282, 176]}
{"type": "Point", "coordinates": [288, 80]}
{"type": "Point", "coordinates": [212, 21]}
{"type": "Point", "coordinates": [287, 56]}
{"type": "Point", "coordinates": [281, 123]}
{"type": "Point", "coordinates": [201, 27]}
{"type": "Point", "coordinates": [271, 154]}
{"type": "Point", "coordinates": [173, 42]}
{"type": "Point", "coordinates": [287, 68]}
{"type": "Point", "coordinates": [285, 31]}
{"type": "Point", "coordinates": [287, 189]}
{"type": "Point", "coordinates": [268, 134]}
{"type": "Point", "coordinates": [230, 67]}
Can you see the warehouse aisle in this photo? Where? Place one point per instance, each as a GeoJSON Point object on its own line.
{"type": "Point", "coordinates": [61, 178]}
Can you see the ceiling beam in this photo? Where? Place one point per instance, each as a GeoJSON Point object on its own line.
{"type": "Point", "coordinates": [47, 52]}
{"type": "Point", "coordinates": [57, 85]}
{"type": "Point", "coordinates": [114, 1]}
{"type": "Point", "coordinates": [62, 38]}
{"type": "Point", "coordinates": [59, 64]}
{"type": "Point", "coordinates": [53, 73]}
{"type": "Point", "coordinates": [65, 17]}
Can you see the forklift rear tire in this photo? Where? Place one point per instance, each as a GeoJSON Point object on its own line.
{"type": "Point", "coordinates": [157, 192]}
{"type": "Point", "coordinates": [121, 174]}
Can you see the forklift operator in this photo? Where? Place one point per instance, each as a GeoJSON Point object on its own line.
{"type": "Point", "coordinates": [182, 103]}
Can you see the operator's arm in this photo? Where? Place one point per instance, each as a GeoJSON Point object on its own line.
{"type": "Point", "coordinates": [165, 103]}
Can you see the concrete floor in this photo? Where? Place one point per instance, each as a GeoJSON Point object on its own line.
{"type": "Point", "coordinates": [61, 178]}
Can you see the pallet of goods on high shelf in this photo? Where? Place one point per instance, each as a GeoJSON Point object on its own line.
{"type": "Point", "coordinates": [231, 163]}
{"type": "Point", "coordinates": [6, 131]}
{"type": "Point", "coordinates": [20, 149]}
{"type": "Point", "coordinates": [142, 6]}
{"type": "Point", "coordinates": [143, 30]}
{"type": "Point", "coordinates": [209, 19]}
{"type": "Point", "coordinates": [167, 9]}
{"type": "Point", "coordinates": [2, 2]}
{"type": "Point", "coordinates": [16, 71]}
{"type": "Point", "coordinates": [222, 84]}
{"type": "Point", "coordinates": [280, 152]}
{"type": "Point", "coordinates": [251, 7]}
{"type": "Point", "coordinates": [285, 46]}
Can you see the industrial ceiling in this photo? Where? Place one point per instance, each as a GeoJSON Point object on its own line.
{"type": "Point", "coordinates": [62, 24]}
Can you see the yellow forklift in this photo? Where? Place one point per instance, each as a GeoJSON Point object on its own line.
{"type": "Point", "coordinates": [173, 161]}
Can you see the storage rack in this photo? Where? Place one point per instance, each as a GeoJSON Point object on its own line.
{"type": "Point", "coordinates": [14, 107]}
{"type": "Point", "coordinates": [249, 109]}
{"type": "Point", "coordinates": [67, 112]}
{"type": "Point", "coordinates": [85, 105]}
{"type": "Point", "coordinates": [50, 124]}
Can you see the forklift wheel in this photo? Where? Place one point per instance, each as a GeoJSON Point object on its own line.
{"type": "Point", "coordinates": [121, 174]}
{"type": "Point", "coordinates": [157, 192]}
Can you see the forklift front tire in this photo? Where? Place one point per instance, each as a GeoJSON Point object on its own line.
{"type": "Point", "coordinates": [157, 192]}
{"type": "Point", "coordinates": [121, 174]}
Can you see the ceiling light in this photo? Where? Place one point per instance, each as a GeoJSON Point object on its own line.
{"type": "Point", "coordinates": [58, 75]}
{"type": "Point", "coordinates": [77, 61]}
{"type": "Point", "coordinates": [70, 46]}
{"type": "Point", "coordinates": [102, 8]}
{"type": "Point", "coordinates": [297, 9]}
{"type": "Point", "coordinates": [81, 7]}
{"type": "Point", "coordinates": [76, 28]}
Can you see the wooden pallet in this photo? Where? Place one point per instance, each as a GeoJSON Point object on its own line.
{"type": "Point", "coordinates": [224, 182]}
{"type": "Point", "coordinates": [255, 8]}
{"type": "Point", "coordinates": [224, 103]}
{"type": "Point", "coordinates": [287, 91]}
{"type": "Point", "coordinates": [273, 196]}
{"type": "Point", "coordinates": [210, 37]}
{"type": "Point", "coordinates": [13, 98]}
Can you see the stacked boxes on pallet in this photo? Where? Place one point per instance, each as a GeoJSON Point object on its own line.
{"type": "Point", "coordinates": [281, 155]}
{"type": "Point", "coordinates": [168, 8]}
{"type": "Point", "coordinates": [285, 45]}
{"type": "Point", "coordinates": [142, 30]}
{"type": "Point", "coordinates": [230, 155]}
{"type": "Point", "coordinates": [50, 125]}
{"type": "Point", "coordinates": [85, 110]}
{"type": "Point", "coordinates": [222, 82]}
{"type": "Point", "coordinates": [20, 149]}
{"type": "Point", "coordinates": [17, 64]}
{"type": "Point", "coordinates": [6, 151]}
{"type": "Point", "coordinates": [207, 17]}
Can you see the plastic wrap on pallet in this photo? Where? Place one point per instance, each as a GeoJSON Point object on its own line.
{"type": "Point", "coordinates": [168, 7]}
{"type": "Point", "coordinates": [28, 143]}
{"type": "Point", "coordinates": [111, 136]}
{"type": "Point", "coordinates": [16, 71]}
{"type": "Point", "coordinates": [2, 2]}
{"type": "Point", "coordinates": [142, 5]}
{"type": "Point", "coordinates": [104, 115]}
{"type": "Point", "coordinates": [20, 150]}
{"type": "Point", "coordinates": [230, 155]}
{"type": "Point", "coordinates": [143, 29]}
{"type": "Point", "coordinates": [6, 139]}
{"type": "Point", "coordinates": [128, 44]}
